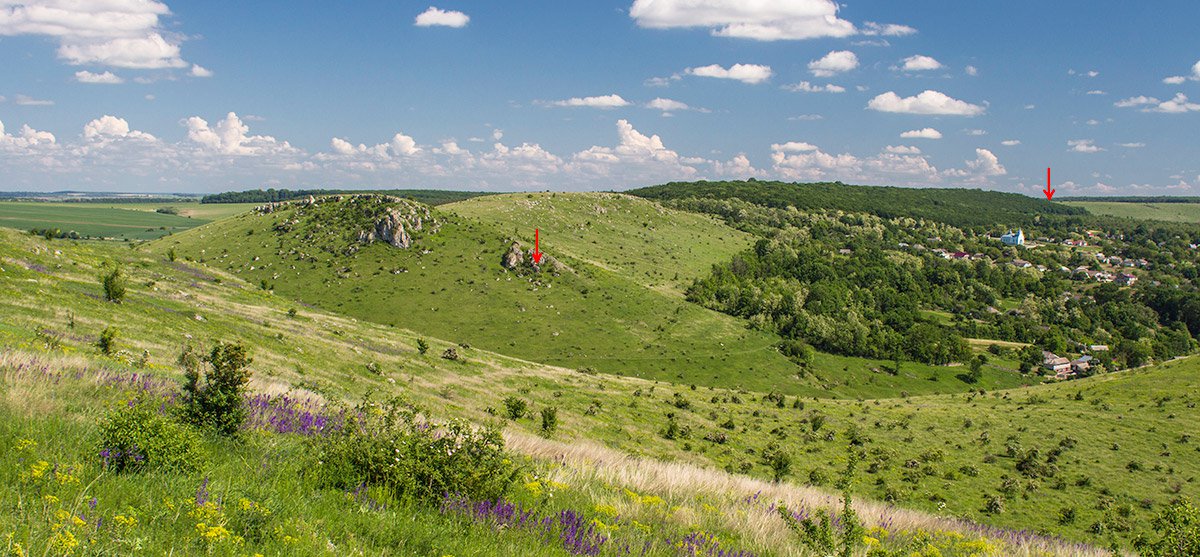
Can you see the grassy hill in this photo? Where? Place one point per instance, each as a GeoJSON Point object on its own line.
{"type": "Point", "coordinates": [956, 206]}
{"type": "Point", "coordinates": [625, 259]}
{"type": "Point", "coordinates": [1108, 452]}
{"type": "Point", "coordinates": [1171, 212]}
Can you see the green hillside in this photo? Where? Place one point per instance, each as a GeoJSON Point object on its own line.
{"type": "Point", "coordinates": [955, 206]}
{"type": "Point", "coordinates": [450, 284]}
{"type": "Point", "coordinates": [1092, 460]}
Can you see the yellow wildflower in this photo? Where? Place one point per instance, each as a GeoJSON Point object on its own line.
{"type": "Point", "coordinates": [23, 444]}
{"type": "Point", "coordinates": [126, 521]}
{"type": "Point", "coordinates": [607, 510]}
{"type": "Point", "coordinates": [870, 542]}
{"type": "Point", "coordinates": [63, 543]}
{"type": "Point", "coordinates": [50, 499]}
{"type": "Point", "coordinates": [38, 469]}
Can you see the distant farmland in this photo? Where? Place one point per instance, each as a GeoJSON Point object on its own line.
{"type": "Point", "coordinates": [121, 221]}
{"type": "Point", "coordinates": [1171, 212]}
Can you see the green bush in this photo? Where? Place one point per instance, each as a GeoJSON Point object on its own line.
{"type": "Point", "coordinates": [422, 346]}
{"type": "Point", "coordinates": [213, 399]}
{"type": "Point", "coordinates": [390, 446]}
{"type": "Point", "coordinates": [515, 407]}
{"type": "Point", "coordinates": [107, 343]}
{"type": "Point", "coordinates": [549, 420]}
{"type": "Point", "coordinates": [1178, 531]}
{"type": "Point", "coordinates": [114, 285]}
{"type": "Point", "coordinates": [138, 437]}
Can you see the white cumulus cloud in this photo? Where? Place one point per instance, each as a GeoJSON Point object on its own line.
{"type": "Point", "coordinates": [1010, 142]}
{"type": "Point", "coordinates": [106, 78]}
{"type": "Point", "coordinates": [746, 73]}
{"type": "Point", "coordinates": [603, 101]}
{"type": "Point", "coordinates": [902, 149]}
{"type": "Point", "coordinates": [923, 133]}
{"type": "Point", "coordinates": [927, 102]}
{"type": "Point", "coordinates": [806, 87]}
{"type": "Point", "coordinates": [835, 62]}
{"type": "Point", "coordinates": [764, 20]}
{"type": "Point", "coordinates": [231, 137]}
{"type": "Point", "coordinates": [870, 28]}
{"type": "Point", "coordinates": [443, 18]}
{"type": "Point", "coordinates": [1083, 146]}
{"type": "Point", "coordinates": [200, 71]}
{"type": "Point", "coordinates": [116, 33]}
{"type": "Point", "coordinates": [107, 128]}
{"type": "Point", "coordinates": [921, 62]}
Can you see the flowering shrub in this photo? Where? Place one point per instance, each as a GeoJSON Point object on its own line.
{"type": "Point", "coordinates": [391, 446]}
{"type": "Point", "coordinates": [137, 436]}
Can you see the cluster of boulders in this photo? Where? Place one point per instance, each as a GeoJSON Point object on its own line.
{"type": "Point", "coordinates": [392, 220]}
{"type": "Point", "coordinates": [517, 259]}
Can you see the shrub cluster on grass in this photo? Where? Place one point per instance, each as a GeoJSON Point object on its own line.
{"type": "Point", "coordinates": [391, 446]}
{"type": "Point", "coordinates": [139, 437]}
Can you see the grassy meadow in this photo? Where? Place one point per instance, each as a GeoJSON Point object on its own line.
{"type": "Point", "coordinates": [123, 221]}
{"type": "Point", "coordinates": [1171, 212]}
{"type": "Point", "coordinates": [1090, 461]}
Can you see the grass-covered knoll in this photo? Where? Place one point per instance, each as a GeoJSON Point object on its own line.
{"type": "Point", "coordinates": [1171, 212]}
{"type": "Point", "coordinates": [121, 221]}
{"type": "Point", "coordinates": [56, 388]}
{"type": "Point", "coordinates": [957, 206]}
{"type": "Point", "coordinates": [644, 242]}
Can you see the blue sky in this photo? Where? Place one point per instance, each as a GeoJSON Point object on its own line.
{"type": "Point", "coordinates": [143, 95]}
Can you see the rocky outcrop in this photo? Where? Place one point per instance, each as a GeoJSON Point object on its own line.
{"type": "Point", "coordinates": [390, 228]}
{"type": "Point", "coordinates": [513, 258]}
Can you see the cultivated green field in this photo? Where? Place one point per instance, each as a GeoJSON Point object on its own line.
{"type": "Point", "coordinates": [1091, 460]}
{"type": "Point", "coordinates": [135, 221]}
{"type": "Point", "coordinates": [1171, 212]}
{"type": "Point", "coordinates": [626, 262]}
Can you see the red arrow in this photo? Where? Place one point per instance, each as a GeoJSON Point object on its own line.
{"type": "Point", "coordinates": [1049, 191]}
{"type": "Point", "coordinates": [537, 255]}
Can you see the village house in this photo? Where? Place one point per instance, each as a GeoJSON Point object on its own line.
{"type": "Point", "coordinates": [1022, 264]}
{"type": "Point", "coordinates": [1126, 279]}
{"type": "Point", "coordinates": [1055, 364]}
{"type": "Point", "coordinates": [1097, 348]}
{"type": "Point", "coordinates": [1081, 365]}
{"type": "Point", "coordinates": [960, 255]}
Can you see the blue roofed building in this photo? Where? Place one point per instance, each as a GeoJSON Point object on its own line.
{"type": "Point", "coordinates": [1013, 238]}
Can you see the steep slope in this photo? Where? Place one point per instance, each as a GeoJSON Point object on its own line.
{"type": "Point", "coordinates": [450, 283]}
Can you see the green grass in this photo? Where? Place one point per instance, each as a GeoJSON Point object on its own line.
{"type": "Point", "coordinates": [116, 220]}
{"type": "Point", "coordinates": [1171, 212]}
{"type": "Point", "coordinates": [917, 447]}
{"type": "Point", "coordinates": [627, 261]}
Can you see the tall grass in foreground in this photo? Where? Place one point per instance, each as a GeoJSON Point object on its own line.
{"type": "Point", "coordinates": [265, 493]}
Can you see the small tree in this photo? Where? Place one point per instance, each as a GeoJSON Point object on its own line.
{"type": "Point", "coordinates": [515, 407]}
{"type": "Point", "coordinates": [549, 420]}
{"type": "Point", "coordinates": [171, 255]}
{"type": "Point", "coordinates": [422, 346]}
{"type": "Point", "coordinates": [114, 285]}
{"type": "Point", "coordinates": [214, 399]}
{"type": "Point", "coordinates": [108, 341]}
{"type": "Point", "coordinates": [778, 460]}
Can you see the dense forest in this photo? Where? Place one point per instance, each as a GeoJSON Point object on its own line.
{"type": "Point", "coordinates": [429, 197]}
{"type": "Point", "coordinates": [860, 284]}
{"type": "Point", "coordinates": [956, 206]}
